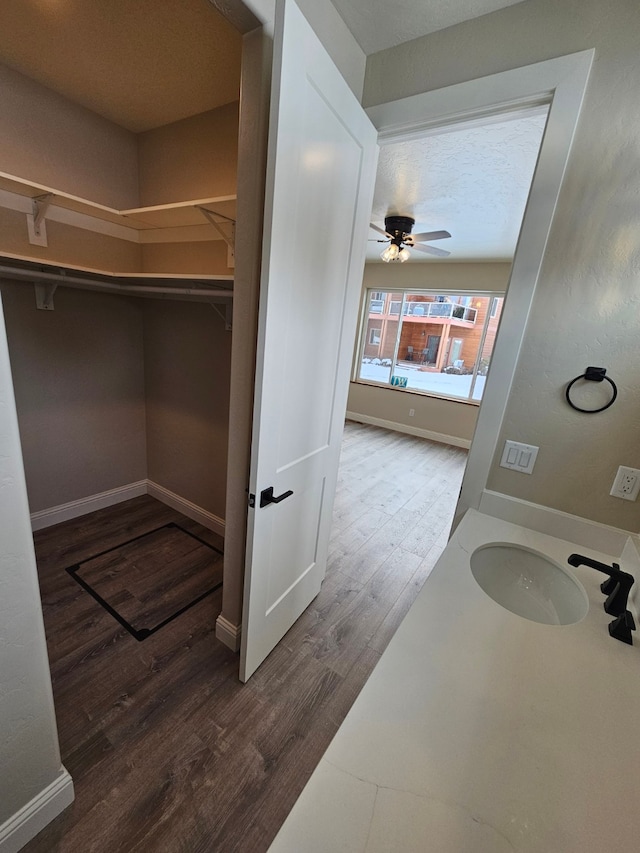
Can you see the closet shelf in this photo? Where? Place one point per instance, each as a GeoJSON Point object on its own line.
{"type": "Point", "coordinates": [198, 288]}
{"type": "Point", "coordinates": [140, 219]}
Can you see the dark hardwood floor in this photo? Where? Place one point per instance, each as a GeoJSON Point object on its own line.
{"type": "Point", "coordinates": [168, 751]}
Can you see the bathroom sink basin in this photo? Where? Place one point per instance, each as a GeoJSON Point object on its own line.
{"type": "Point", "coordinates": [528, 584]}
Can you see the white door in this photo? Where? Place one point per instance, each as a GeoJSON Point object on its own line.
{"type": "Point", "coordinates": [320, 176]}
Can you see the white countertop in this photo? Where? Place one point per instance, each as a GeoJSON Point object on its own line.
{"type": "Point", "coordinates": [482, 732]}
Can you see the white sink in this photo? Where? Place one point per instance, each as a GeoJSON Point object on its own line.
{"type": "Point", "coordinates": [529, 584]}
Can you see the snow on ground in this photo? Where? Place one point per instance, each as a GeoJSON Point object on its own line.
{"type": "Point", "coordinates": [447, 384]}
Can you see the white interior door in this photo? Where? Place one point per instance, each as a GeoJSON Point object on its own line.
{"type": "Point", "coordinates": [321, 171]}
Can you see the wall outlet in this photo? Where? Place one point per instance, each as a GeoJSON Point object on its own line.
{"type": "Point", "coordinates": [626, 484]}
{"type": "Point", "coordinates": [519, 457]}
{"type": "Point", "coordinates": [412, 412]}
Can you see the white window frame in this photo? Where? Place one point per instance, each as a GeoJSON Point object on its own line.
{"type": "Point", "coordinates": [365, 340]}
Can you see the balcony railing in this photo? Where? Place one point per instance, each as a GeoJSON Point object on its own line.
{"type": "Point", "coordinates": [442, 310]}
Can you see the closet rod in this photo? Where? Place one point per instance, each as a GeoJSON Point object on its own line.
{"type": "Point", "coordinates": [91, 284]}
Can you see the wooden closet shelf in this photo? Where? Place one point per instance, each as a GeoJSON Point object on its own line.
{"type": "Point", "coordinates": [174, 215]}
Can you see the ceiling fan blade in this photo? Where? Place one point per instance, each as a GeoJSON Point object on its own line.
{"type": "Point", "coordinates": [380, 231]}
{"type": "Point", "coordinates": [431, 250]}
{"type": "Point", "coordinates": [428, 235]}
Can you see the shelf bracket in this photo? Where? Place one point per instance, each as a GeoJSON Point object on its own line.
{"type": "Point", "coordinates": [40, 205]}
{"type": "Point", "coordinates": [209, 215]}
{"type": "Point", "coordinates": [227, 316]}
{"type": "Point", "coordinates": [36, 219]}
{"type": "Point", "coordinates": [44, 296]}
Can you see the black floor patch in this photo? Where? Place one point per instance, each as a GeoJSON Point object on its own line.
{"type": "Point", "coordinates": [150, 580]}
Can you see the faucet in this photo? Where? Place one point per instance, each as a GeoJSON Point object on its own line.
{"type": "Point", "coordinates": [617, 587]}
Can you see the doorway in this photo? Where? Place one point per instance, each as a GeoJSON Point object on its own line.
{"type": "Point", "coordinates": [560, 84]}
{"type": "Point", "coordinates": [430, 354]}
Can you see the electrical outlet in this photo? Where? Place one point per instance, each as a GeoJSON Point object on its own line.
{"type": "Point", "coordinates": [626, 484]}
{"type": "Point", "coordinates": [412, 412]}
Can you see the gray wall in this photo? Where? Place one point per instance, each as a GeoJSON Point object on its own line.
{"type": "Point", "coordinates": [47, 138]}
{"type": "Point", "coordinates": [79, 384]}
{"type": "Point", "coordinates": [586, 308]}
{"type": "Point", "coordinates": [187, 368]}
{"type": "Point", "coordinates": [111, 390]}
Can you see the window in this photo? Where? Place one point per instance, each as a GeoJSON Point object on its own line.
{"type": "Point", "coordinates": [441, 343]}
{"type": "Point", "coordinates": [376, 303]}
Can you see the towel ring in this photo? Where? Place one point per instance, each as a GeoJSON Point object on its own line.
{"type": "Point", "coordinates": [592, 374]}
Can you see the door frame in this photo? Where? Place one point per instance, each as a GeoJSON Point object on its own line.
{"type": "Point", "coordinates": [559, 83]}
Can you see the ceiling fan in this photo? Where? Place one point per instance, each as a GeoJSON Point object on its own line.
{"type": "Point", "coordinates": [397, 232]}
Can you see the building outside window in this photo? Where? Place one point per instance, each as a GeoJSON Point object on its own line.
{"type": "Point", "coordinates": [442, 343]}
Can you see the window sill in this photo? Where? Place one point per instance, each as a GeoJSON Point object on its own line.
{"type": "Point", "coordinates": [415, 392]}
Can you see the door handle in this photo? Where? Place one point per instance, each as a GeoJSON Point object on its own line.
{"type": "Point", "coordinates": [267, 497]}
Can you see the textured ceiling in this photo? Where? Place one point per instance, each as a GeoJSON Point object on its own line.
{"type": "Point", "coordinates": [379, 24]}
{"type": "Point", "coordinates": [472, 182]}
{"type": "Point", "coordinates": [139, 63]}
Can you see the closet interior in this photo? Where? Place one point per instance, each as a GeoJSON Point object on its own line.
{"type": "Point", "coordinates": [117, 215]}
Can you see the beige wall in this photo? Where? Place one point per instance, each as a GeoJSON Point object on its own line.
{"type": "Point", "coordinates": [48, 139]}
{"type": "Point", "coordinates": [190, 159]}
{"type": "Point", "coordinates": [587, 305]}
{"type": "Point", "coordinates": [448, 419]}
{"type": "Point", "coordinates": [203, 258]}
{"type": "Point", "coordinates": [433, 275]}
{"type": "Point", "coordinates": [187, 366]}
{"type": "Point", "coordinates": [69, 245]}
{"type": "Point", "coordinates": [79, 386]}
{"type": "Point", "coordinates": [445, 417]}
{"type": "Point", "coordinates": [110, 390]}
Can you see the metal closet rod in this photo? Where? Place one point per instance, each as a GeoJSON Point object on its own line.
{"type": "Point", "coordinates": [92, 284]}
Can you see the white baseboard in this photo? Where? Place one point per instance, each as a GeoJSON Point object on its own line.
{"type": "Point", "coordinates": [83, 506]}
{"type": "Point", "coordinates": [553, 522]}
{"type": "Point", "coordinates": [25, 824]}
{"type": "Point", "coordinates": [409, 430]}
{"type": "Point", "coordinates": [74, 509]}
{"type": "Point", "coordinates": [228, 633]}
{"type": "Point", "coordinates": [191, 510]}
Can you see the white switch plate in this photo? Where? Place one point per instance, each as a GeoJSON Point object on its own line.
{"type": "Point", "coordinates": [626, 484]}
{"type": "Point", "coordinates": [519, 457]}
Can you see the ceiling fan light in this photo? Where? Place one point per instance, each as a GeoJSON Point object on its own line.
{"type": "Point", "coordinates": [390, 253]}
{"type": "Point", "coordinates": [404, 254]}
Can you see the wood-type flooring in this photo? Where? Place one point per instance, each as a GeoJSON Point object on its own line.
{"type": "Point", "coordinates": [168, 751]}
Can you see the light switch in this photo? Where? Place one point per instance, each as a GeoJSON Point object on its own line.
{"type": "Point", "coordinates": [519, 457]}
{"type": "Point", "coordinates": [525, 458]}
